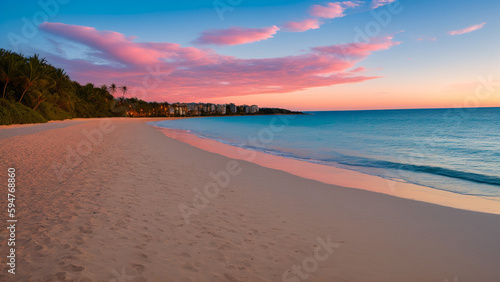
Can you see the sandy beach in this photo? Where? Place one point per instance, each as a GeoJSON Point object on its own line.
{"type": "Point", "coordinates": [117, 200]}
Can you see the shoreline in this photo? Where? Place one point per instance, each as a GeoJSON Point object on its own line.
{"type": "Point", "coordinates": [342, 177]}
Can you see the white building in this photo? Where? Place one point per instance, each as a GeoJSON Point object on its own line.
{"type": "Point", "coordinates": [254, 109]}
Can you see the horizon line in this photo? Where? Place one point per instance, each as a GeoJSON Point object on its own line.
{"type": "Point", "coordinates": [398, 109]}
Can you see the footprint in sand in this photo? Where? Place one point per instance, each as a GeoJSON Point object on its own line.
{"type": "Point", "coordinates": [61, 275]}
{"type": "Point", "coordinates": [230, 277]}
{"type": "Point", "coordinates": [190, 267]}
{"type": "Point", "coordinates": [75, 268]}
{"type": "Point", "coordinates": [79, 240]}
{"type": "Point", "coordinates": [138, 267]}
{"type": "Point", "coordinates": [86, 230]}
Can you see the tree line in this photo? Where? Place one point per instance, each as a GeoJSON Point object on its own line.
{"type": "Point", "coordinates": [34, 91]}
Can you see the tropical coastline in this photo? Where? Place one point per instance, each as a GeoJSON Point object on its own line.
{"type": "Point", "coordinates": [235, 141]}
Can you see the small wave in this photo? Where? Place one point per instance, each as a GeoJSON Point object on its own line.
{"type": "Point", "coordinates": [373, 163]}
{"type": "Point", "coordinates": [469, 176]}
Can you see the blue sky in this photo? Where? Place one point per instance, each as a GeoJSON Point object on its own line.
{"type": "Point", "coordinates": [427, 68]}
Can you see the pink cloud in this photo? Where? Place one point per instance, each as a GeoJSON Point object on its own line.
{"type": "Point", "coordinates": [358, 49]}
{"type": "Point", "coordinates": [166, 71]}
{"type": "Point", "coordinates": [302, 25]}
{"type": "Point", "coordinates": [467, 29]}
{"type": "Point", "coordinates": [116, 47]}
{"type": "Point", "coordinates": [332, 9]}
{"type": "Point", "coordinates": [359, 69]}
{"type": "Point", "coordinates": [235, 35]}
{"type": "Point", "coordinates": [351, 4]}
{"type": "Point", "coordinates": [379, 3]}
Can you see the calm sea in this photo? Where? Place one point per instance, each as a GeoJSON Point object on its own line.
{"type": "Point", "coordinates": [456, 150]}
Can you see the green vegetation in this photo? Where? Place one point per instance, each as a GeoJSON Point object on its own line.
{"type": "Point", "coordinates": [14, 112]}
{"type": "Point", "coordinates": [34, 91]}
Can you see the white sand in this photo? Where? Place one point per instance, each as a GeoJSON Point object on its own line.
{"type": "Point", "coordinates": [115, 217]}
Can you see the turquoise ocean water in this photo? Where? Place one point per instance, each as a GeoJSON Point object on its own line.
{"type": "Point", "coordinates": [456, 150]}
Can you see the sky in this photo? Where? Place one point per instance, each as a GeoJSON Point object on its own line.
{"type": "Point", "coordinates": [300, 55]}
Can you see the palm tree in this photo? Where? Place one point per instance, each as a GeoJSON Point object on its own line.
{"type": "Point", "coordinates": [33, 72]}
{"type": "Point", "coordinates": [9, 67]}
{"type": "Point", "coordinates": [112, 88]}
{"type": "Point", "coordinates": [60, 80]}
{"type": "Point", "coordinates": [40, 96]}
{"type": "Point", "coordinates": [124, 90]}
{"type": "Point", "coordinates": [62, 87]}
{"type": "Point", "coordinates": [89, 91]}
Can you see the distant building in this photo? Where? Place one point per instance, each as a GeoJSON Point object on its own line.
{"type": "Point", "coordinates": [254, 109]}
{"type": "Point", "coordinates": [193, 109]}
{"type": "Point", "coordinates": [221, 109]}
{"type": "Point", "coordinates": [196, 109]}
{"type": "Point", "coordinates": [206, 108]}
{"type": "Point", "coordinates": [163, 109]}
{"type": "Point", "coordinates": [180, 109]}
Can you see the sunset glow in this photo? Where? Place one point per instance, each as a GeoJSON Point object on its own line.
{"type": "Point", "coordinates": [323, 55]}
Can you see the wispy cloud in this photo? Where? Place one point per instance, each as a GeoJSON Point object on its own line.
{"type": "Point", "coordinates": [467, 29]}
{"type": "Point", "coordinates": [302, 25]}
{"type": "Point", "coordinates": [195, 73]}
{"type": "Point", "coordinates": [379, 3]}
{"type": "Point", "coordinates": [358, 69]}
{"type": "Point", "coordinates": [426, 38]}
{"type": "Point", "coordinates": [331, 10]}
{"type": "Point", "coordinates": [235, 35]}
{"type": "Point", "coordinates": [358, 49]}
